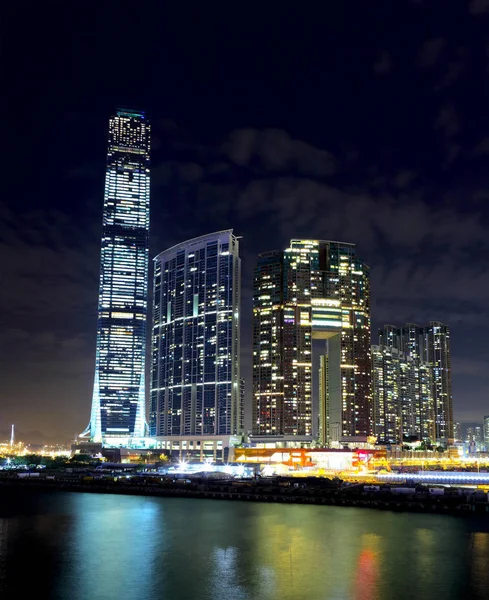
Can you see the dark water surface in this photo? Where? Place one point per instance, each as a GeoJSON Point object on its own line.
{"type": "Point", "coordinates": [92, 546]}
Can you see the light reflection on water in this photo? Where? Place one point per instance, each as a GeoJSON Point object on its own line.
{"type": "Point", "coordinates": [104, 547]}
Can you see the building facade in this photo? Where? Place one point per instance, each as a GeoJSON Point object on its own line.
{"type": "Point", "coordinates": [196, 389]}
{"type": "Point", "coordinates": [457, 432]}
{"type": "Point", "coordinates": [387, 391]}
{"type": "Point", "coordinates": [430, 345]}
{"type": "Point", "coordinates": [403, 398]}
{"type": "Point", "coordinates": [436, 351]}
{"type": "Point", "coordinates": [118, 403]}
{"type": "Point", "coordinates": [314, 293]}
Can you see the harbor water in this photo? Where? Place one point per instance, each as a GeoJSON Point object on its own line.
{"type": "Point", "coordinates": [101, 547]}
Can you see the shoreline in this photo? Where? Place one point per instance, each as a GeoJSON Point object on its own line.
{"type": "Point", "coordinates": [454, 505]}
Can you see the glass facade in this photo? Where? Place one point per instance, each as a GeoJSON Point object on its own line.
{"type": "Point", "coordinates": [312, 290]}
{"type": "Point", "coordinates": [195, 383]}
{"type": "Point", "coordinates": [118, 405]}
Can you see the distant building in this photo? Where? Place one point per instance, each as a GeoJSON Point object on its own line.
{"type": "Point", "coordinates": [196, 391]}
{"type": "Point", "coordinates": [486, 433]}
{"type": "Point", "coordinates": [314, 293]}
{"type": "Point", "coordinates": [478, 438]}
{"type": "Point", "coordinates": [457, 432]}
{"type": "Point", "coordinates": [119, 403]}
{"type": "Point", "coordinates": [431, 346]}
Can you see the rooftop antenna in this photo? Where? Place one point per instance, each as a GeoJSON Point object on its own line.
{"type": "Point", "coordinates": [12, 437]}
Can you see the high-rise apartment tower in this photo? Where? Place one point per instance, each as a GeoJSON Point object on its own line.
{"type": "Point", "coordinates": [313, 294]}
{"type": "Point", "coordinates": [195, 385]}
{"type": "Point", "coordinates": [430, 345]}
{"type": "Point", "coordinates": [403, 396]}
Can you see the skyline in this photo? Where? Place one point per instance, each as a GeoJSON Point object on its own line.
{"type": "Point", "coordinates": [363, 134]}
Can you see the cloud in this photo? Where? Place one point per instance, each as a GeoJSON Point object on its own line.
{"type": "Point", "coordinates": [451, 75]}
{"type": "Point", "coordinates": [274, 150]}
{"type": "Point", "coordinates": [305, 205]}
{"type": "Point", "coordinates": [448, 121]}
{"type": "Point", "coordinates": [478, 7]}
{"type": "Point", "coordinates": [403, 179]}
{"type": "Point", "coordinates": [383, 64]}
{"type": "Point", "coordinates": [482, 147]}
{"type": "Point", "coordinates": [430, 52]}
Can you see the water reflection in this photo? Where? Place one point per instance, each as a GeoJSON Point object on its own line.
{"type": "Point", "coordinates": [112, 548]}
{"type": "Point", "coordinates": [84, 546]}
{"type": "Point", "coordinates": [367, 571]}
{"type": "Point", "coordinates": [478, 558]}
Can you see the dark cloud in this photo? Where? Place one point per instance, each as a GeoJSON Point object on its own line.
{"type": "Point", "coordinates": [448, 121]}
{"type": "Point", "coordinates": [478, 7]}
{"type": "Point", "coordinates": [276, 151]}
{"type": "Point", "coordinates": [430, 52]}
{"type": "Point", "coordinates": [404, 178]}
{"type": "Point", "coordinates": [383, 64]}
{"type": "Point", "coordinates": [482, 147]}
{"type": "Point", "coordinates": [454, 69]}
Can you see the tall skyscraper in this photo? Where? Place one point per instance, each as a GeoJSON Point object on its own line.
{"type": "Point", "coordinates": [118, 404]}
{"type": "Point", "coordinates": [403, 394]}
{"type": "Point", "coordinates": [478, 436]}
{"type": "Point", "coordinates": [315, 293]}
{"type": "Point", "coordinates": [431, 346]}
{"type": "Point", "coordinates": [195, 386]}
{"type": "Point", "coordinates": [436, 351]}
{"type": "Point", "coordinates": [387, 391]}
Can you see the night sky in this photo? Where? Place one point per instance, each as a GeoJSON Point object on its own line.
{"type": "Point", "coordinates": [365, 122]}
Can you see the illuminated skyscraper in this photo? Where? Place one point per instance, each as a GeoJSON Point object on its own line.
{"type": "Point", "coordinates": [314, 290]}
{"type": "Point", "coordinates": [118, 405]}
{"type": "Point", "coordinates": [457, 431]}
{"type": "Point", "coordinates": [436, 351]}
{"type": "Point", "coordinates": [195, 386]}
{"type": "Point", "coordinates": [430, 346]}
{"type": "Point", "coordinates": [386, 374]}
{"type": "Point", "coordinates": [403, 398]}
